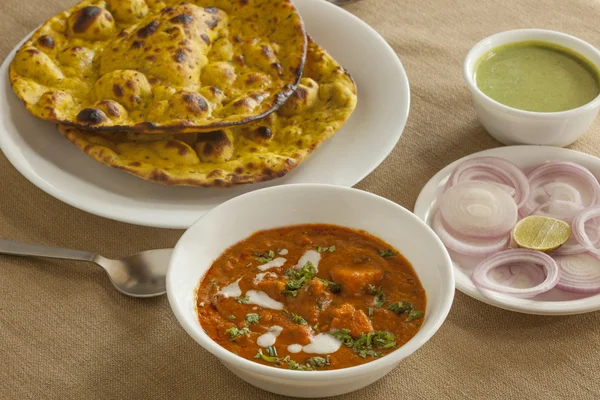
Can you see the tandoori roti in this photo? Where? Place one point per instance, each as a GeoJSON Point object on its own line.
{"type": "Point", "coordinates": [263, 150]}
{"type": "Point", "coordinates": [162, 66]}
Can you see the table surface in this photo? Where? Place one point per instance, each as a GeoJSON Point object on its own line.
{"type": "Point", "coordinates": [66, 333]}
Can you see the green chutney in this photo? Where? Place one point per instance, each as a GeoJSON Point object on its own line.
{"type": "Point", "coordinates": [537, 76]}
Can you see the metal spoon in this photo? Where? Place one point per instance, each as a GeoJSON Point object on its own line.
{"type": "Point", "coordinates": [140, 275]}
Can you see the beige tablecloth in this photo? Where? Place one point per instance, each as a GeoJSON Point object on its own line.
{"type": "Point", "coordinates": [66, 333]}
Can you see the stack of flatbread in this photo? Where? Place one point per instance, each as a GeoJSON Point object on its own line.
{"type": "Point", "coordinates": [199, 93]}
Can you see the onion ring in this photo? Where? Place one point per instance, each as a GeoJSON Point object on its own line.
{"type": "Point", "coordinates": [559, 209]}
{"type": "Point", "coordinates": [573, 247]}
{"type": "Point", "coordinates": [548, 172]}
{"type": "Point", "coordinates": [512, 274]}
{"type": "Point", "coordinates": [510, 257]}
{"type": "Point", "coordinates": [492, 169]}
{"type": "Point", "coordinates": [580, 273]}
{"type": "Point", "coordinates": [467, 246]}
{"type": "Point", "coordinates": [478, 210]}
{"type": "Point", "coordinates": [563, 191]}
{"type": "Point", "coordinates": [579, 229]}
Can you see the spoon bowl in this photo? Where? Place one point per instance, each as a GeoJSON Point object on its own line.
{"type": "Point", "coordinates": [140, 275]}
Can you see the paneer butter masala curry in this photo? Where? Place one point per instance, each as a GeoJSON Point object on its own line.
{"type": "Point", "coordinates": [311, 297]}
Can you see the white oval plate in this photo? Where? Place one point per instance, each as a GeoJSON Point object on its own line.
{"type": "Point", "coordinates": [554, 302]}
{"type": "Point", "coordinates": [39, 152]}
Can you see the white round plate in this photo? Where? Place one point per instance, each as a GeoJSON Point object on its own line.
{"type": "Point", "coordinates": [53, 164]}
{"type": "Point", "coordinates": [554, 302]}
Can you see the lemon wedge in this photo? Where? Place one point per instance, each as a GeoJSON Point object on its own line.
{"type": "Point", "coordinates": [541, 233]}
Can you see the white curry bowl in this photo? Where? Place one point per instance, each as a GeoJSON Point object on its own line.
{"type": "Point", "coordinates": [288, 205]}
{"type": "Point", "coordinates": [513, 126]}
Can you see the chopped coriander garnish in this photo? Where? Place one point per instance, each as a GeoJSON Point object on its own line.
{"type": "Point", "coordinates": [371, 289]}
{"type": "Point", "coordinates": [367, 352]}
{"type": "Point", "coordinates": [386, 253]}
{"type": "Point", "coordinates": [405, 307]}
{"type": "Point", "coordinates": [370, 311]}
{"type": "Point", "coordinates": [412, 314]}
{"type": "Point", "coordinates": [231, 317]}
{"type": "Point", "coordinates": [252, 318]}
{"type": "Point", "coordinates": [315, 327]}
{"type": "Point", "coordinates": [379, 298]}
{"type": "Point", "coordinates": [295, 317]}
{"type": "Point", "coordinates": [309, 365]}
{"type": "Point", "coordinates": [242, 299]}
{"type": "Point", "coordinates": [294, 365]}
{"type": "Point", "coordinates": [264, 257]}
{"type": "Point", "coordinates": [363, 346]}
{"type": "Point", "coordinates": [330, 249]}
{"type": "Point", "coordinates": [363, 341]}
{"type": "Point", "coordinates": [384, 340]}
{"type": "Point", "coordinates": [307, 271]}
{"type": "Point", "coordinates": [380, 339]}
{"type": "Point", "coordinates": [318, 362]}
{"type": "Point", "coordinates": [213, 282]}
{"type": "Point", "coordinates": [299, 320]}
{"type": "Point", "coordinates": [272, 351]}
{"type": "Point", "coordinates": [265, 357]}
{"type": "Point", "coordinates": [344, 336]}
{"type": "Point", "coordinates": [378, 293]}
{"type": "Point", "coordinates": [234, 332]}
{"type": "Point", "coordinates": [332, 286]}
{"type": "Point", "coordinates": [400, 307]}
{"type": "Point", "coordinates": [292, 287]}
{"type": "Point", "coordinates": [298, 279]}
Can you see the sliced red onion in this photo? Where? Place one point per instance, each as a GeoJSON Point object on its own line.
{"type": "Point", "coordinates": [565, 173]}
{"type": "Point", "coordinates": [522, 275]}
{"type": "Point", "coordinates": [563, 191]}
{"type": "Point", "coordinates": [579, 229]}
{"type": "Point", "coordinates": [509, 190]}
{"type": "Point", "coordinates": [482, 280]}
{"type": "Point", "coordinates": [580, 273]}
{"type": "Point", "coordinates": [467, 246]}
{"type": "Point", "coordinates": [573, 247]}
{"type": "Point", "coordinates": [512, 243]}
{"type": "Point", "coordinates": [559, 209]}
{"type": "Point", "coordinates": [478, 210]}
{"type": "Point", "coordinates": [492, 169]}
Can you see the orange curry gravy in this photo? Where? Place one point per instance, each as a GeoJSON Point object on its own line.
{"type": "Point", "coordinates": [365, 294]}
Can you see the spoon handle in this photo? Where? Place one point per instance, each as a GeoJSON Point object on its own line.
{"type": "Point", "coordinates": [37, 250]}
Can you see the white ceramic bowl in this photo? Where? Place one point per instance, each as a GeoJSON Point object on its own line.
{"type": "Point", "coordinates": [512, 126]}
{"type": "Point", "coordinates": [280, 206]}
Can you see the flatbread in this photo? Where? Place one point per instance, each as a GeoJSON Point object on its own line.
{"type": "Point", "coordinates": [264, 150]}
{"type": "Point", "coordinates": [165, 66]}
